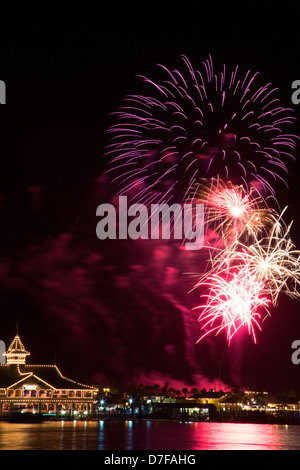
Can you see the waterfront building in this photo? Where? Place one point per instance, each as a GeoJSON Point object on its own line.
{"type": "Point", "coordinates": [42, 389]}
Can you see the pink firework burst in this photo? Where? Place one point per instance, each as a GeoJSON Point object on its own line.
{"type": "Point", "coordinates": [235, 204]}
{"type": "Point", "coordinates": [231, 210]}
{"type": "Point", "coordinates": [232, 304]}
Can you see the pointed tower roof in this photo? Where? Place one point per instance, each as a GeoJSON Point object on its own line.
{"type": "Point", "coordinates": [16, 352]}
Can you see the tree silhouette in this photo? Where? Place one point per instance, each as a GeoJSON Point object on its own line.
{"type": "Point", "coordinates": [184, 391]}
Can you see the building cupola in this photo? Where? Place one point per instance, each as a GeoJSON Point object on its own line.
{"type": "Point", "coordinates": [16, 352]}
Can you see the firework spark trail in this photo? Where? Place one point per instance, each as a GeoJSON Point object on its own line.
{"type": "Point", "coordinates": [198, 122]}
{"type": "Point", "coordinates": [233, 303]}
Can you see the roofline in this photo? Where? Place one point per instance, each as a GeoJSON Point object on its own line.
{"type": "Point", "coordinates": [21, 380]}
{"type": "Point", "coordinates": [62, 376]}
{"type": "Point", "coordinates": [46, 383]}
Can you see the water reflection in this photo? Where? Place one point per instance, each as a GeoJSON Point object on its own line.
{"type": "Point", "coordinates": [101, 435]}
{"type": "Point", "coordinates": [147, 435]}
{"type": "Point", "coordinates": [129, 434]}
{"type": "Point", "coordinates": [61, 437]}
{"type": "Point", "coordinates": [235, 436]}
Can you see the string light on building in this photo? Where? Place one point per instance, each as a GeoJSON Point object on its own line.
{"type": "Point", "coordinates": [40, 389]}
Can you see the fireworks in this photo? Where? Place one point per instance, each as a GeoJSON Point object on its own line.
{"type": "Point", "coordinates": [272, 260]}
{"type": "Point", "coordinates": [233, 304]}
{"type": "Point", "coordinates": [231, 210]}
{"type": "Point", "coordinates": [247, 276]}
{"type": "Point", "coordinates": [195, 123]}
{"type": "Point", "coordinates": [223, 139]}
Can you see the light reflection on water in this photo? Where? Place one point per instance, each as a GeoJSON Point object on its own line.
{"type": "Point", "coordinates": [147, 435]}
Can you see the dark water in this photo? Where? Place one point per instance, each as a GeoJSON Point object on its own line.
{"type": "Point", "coordinates": [147, 435]}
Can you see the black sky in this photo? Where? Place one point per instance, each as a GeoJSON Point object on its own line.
{"type": "Point", "coordinates": [76, 300]}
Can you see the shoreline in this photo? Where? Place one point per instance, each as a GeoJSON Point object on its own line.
{"type": "Point", "coordinates": [280, 420]}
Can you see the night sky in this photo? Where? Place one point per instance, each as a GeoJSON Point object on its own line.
{"type": "Point", "coordinates": [120, 311]}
